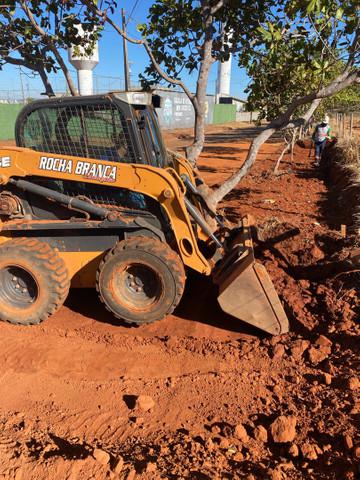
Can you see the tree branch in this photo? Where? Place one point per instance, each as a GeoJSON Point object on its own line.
{"type": "Point", "coordinates": [38, 67]}
{"type": "Point", "coordinates": [48, 40]}
{"type": "Point", "coordinates": [92, 7]}
{"type": "Point", "coordinates": [217, 7]}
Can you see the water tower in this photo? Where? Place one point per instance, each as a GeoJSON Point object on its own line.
{"type": "Point", "coordinates": [224, 72]}
{"type": "Point", "coordinates": [84, 64]}
{"type": "Point", "coordinates": [223, 79]}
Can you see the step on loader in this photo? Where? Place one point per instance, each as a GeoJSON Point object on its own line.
{"type": "Point", "coordinates": [90, 197]}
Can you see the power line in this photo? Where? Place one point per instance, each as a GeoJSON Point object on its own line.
{"type": "Point", "coordinates": [132, 11]}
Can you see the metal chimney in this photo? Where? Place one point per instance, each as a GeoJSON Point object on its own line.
{"type": "Point", "coordinates": [84, 64]}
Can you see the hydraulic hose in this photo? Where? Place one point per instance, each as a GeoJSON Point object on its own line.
{"type": "Point", "coordinates": [70, 202]}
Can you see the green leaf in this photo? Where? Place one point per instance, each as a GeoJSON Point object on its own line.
{"type": "Point", "coordinates": [265, 34]}
{"type": "Point", "coordinates": [339, 13]}
{"type": "Point", "coordinates": [311, 6]}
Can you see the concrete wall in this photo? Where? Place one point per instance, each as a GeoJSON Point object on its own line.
{"type": "Point", "coordinates": [224, 113]}
{"type": "Point", "coordinates": [8, 114]}
{"type": "Point", "coordinates": [177, 110]}
{"type": "Point", "coordinates": [246, 116]}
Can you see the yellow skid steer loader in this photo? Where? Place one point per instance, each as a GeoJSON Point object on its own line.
{"type": "Point", "coordinates": [89, 197]}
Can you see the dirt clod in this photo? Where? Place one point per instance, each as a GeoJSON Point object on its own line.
{"type": "Point", "coordinates": [323, 341]}
{"type": "Point", "coordinates": [298, 347]}
{"type": "Point", "coordinates": [283, 429]}
{"type": "Point", "coordinates": [101, 456]}
{"type": "Point", "coordinates": [240, 433]}
{"type": "Point", "coordinates": [145, 403]}
{"type": "Point", "coordinates": [310, 451]}
{"type": "Point", "coordinates": [278, 351]}
{"type": "Point", "coordinates": [353, 383]}
{"type": "Point", "coordinates": [348, 441]}
{"type": "Point", "coordinates": [294, 450]}
{"type": "Point", "coordinates": [327, 378]}
{"type": "Point", "coordinates": [318, 354]}
{"type": "Point", "coordinates": [260, 434]}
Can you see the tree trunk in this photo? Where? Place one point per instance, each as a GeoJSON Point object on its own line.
{"type": "Point", "coordinates": [293, 141]}
{"type": "Point", "coordinates": [281, 156]}
{"type": "Point", "coordinates": [63, 67]}
{"type": "Point", "coordinates": [199, 104]}
{"type": "Point", "coordinates": [194, 150]}
{"type": "Point", "coordinates": [45, 79]}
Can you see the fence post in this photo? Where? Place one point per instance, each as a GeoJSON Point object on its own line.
{"type": "Point", "coordinates": [351, 124]}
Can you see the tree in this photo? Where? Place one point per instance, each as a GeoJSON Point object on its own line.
{"type": "Point", "coordinates": [182, 37]}
{"type": "Point", "coordinates": [190, 36]}
{"type": "Point", "coordinates": [33, 33]}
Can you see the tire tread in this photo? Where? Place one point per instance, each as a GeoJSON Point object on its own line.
{"type": "Point", "coordinates": [156, 248]}
{"type": "Point", "coordinates": [51, 263]}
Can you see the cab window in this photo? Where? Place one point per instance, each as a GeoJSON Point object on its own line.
{"type": "Point", "coordinates": [90, 131]}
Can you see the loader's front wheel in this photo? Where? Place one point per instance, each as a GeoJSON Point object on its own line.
{"type": "Point", "coordinates": [34, 281]}
{"type": "Point", "coordinates": [141, 280]}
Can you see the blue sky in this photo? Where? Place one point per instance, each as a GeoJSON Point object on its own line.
{"type": "Point", "coordinates": [107, 74]}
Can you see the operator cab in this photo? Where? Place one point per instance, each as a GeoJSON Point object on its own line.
{"type": "Point", "coordinates": [114, 127]}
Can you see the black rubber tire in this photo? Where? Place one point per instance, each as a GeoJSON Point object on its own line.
{"type": "Point", "coordinates": [149, 258]}
{"type": "Point", "coordinates": [43, 276]}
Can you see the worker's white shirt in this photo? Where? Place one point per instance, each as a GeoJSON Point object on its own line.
{"type": "Point", "coordinates": [321, 133]}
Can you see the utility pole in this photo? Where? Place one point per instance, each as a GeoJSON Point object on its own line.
{"type": "Point", "coordinates": [125, 51]}
{"type": "Point", "coordinates": [22, 85]}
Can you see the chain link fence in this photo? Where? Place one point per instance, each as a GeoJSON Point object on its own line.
{"type": "Point", "coordinates": [26, 91]}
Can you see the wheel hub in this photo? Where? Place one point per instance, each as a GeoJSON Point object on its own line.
{"type": "Point", "coordinates": [19, 288]}
{"type": "Point", "coordinates": [138, 285]}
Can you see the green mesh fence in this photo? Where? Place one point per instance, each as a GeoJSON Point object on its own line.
{"type": "Point", "coordinates": [224, 113]}
{"type": "Point", "coordinates": [8, 114]}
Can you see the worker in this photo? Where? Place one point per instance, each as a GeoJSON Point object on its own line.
{"type": "Point", "coordinates": [320, 135]}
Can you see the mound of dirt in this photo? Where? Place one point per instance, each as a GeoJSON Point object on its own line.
{"type": "Point", "coordinates": [341, 167]}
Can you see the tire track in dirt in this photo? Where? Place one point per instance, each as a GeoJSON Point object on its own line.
{"type": "Point", "coordinates": [81, 359]}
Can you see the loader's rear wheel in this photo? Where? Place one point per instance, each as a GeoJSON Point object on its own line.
{"type": "Point", "coordinates": [34, 281]}
{"type": "Point", "coordinates": [141, 280]}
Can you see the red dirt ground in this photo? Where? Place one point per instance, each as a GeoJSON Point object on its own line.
{"type": "Point", "coordinates": [69, 406]}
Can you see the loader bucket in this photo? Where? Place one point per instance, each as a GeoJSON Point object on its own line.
{"type": "Point", "coordinates": [245, 289]}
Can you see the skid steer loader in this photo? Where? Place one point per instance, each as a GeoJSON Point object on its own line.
{"type": "Point", "coordinates": [89, 197]}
